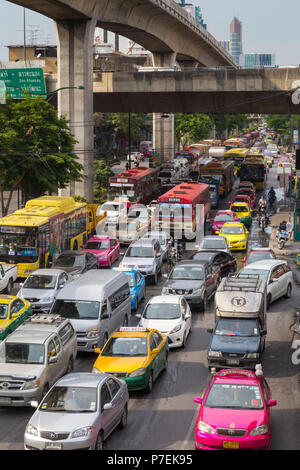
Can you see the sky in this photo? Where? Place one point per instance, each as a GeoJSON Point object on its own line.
{"type": "Point", "coordinates": [269, 26]}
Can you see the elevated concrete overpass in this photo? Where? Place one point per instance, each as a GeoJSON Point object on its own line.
{"type": "Point", "coordinates": [266, 91]}
{"type": "Point", "coordinates": [161, 26]}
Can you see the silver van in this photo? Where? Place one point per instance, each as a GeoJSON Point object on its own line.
{"type": "Point", "coordinates": [97, 304]}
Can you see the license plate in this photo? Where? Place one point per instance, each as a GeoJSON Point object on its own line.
{"type": "Point", "coordinates": [231, 445]}
{"type": "Point", "coordinates": [5, 400]}
{"type": "Point", "coordinates": [53, 446]}
{"type": "Point", "coordinates": [233, 362]}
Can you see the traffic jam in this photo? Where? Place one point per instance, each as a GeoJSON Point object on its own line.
{"type": "Point", "coordinates": [144, 323]}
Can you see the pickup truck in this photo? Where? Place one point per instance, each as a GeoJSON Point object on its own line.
{"type": "Point", "coordinates": [8, 275]}
{"type": "Point", "coordinates": [34, 357]}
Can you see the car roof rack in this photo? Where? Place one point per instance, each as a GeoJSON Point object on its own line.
{"type": "Point", "coordinates": [245, 282]}
{"type": "Point", "coordinates": [45, 319]}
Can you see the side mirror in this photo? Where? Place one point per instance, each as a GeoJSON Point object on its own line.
{"type": "Point", "coordinates": [154, 351]}
{"type": "Point", "coordinates": [263, 332]}
{"type": "Point", "coordinates": [197, 400]}
{"type": "Point", "coordinates": [243, 260]}
{"type": "Point", "coordinates": [138, 315]}
{"type": "Point", "coordinates": [97, 350]}
{"type": "Point", "coordinates": [217, 232]}
{"type": "Point", "coordinates": [209, 330]}
{"type": "Point", "coordinates": [272, 403]}
{"type": "Point", "coordinates": [165, 275]}
{"type": "Point", "coordinates": [107, 406]}
{"type": "Point", "coordinates": [52, 360]}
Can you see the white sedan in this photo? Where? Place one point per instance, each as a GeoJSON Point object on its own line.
{"type": "Point", "coordinates": [276, 273]}
{"type": "Point", "coordinates": [169, 314]}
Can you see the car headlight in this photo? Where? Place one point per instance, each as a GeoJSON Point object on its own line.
{"type": "Point", "coordinates": [176, 328]}
{"type": "Point", "coordinates": [31, 430]}
{"type": "Point", "coordinates": [198, 291]}
{"type": "Point", "coordinates": [138, 372]}
{"type": "Point", "coordinates": [252, 355]}
{"type": "Point", "coordinates": [214, 354]}
{"type": "Point", "coordinates": [82, 432]}
{"type": "Point", "coordinates": [165, 290]}
{"type": "Point", "coordinates": [31, 384]}
{"type": "Point", "coordinates": [92, 333]}
{"type": "Point", "coordinates": [263, 429]}
{"type": "Point", "coordinates": [204, 427]}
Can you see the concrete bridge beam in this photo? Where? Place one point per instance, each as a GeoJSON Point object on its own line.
{"type": "Point", "coordinates": [164, 59]}
{"type": "Point", "coordinates": [75, 68]}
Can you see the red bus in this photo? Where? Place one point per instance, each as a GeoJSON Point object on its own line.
{"type": "Point", "coordinates": [138, 186]}
{"type": "Point", "coordinates": [177, 208]}
{"type": "Point", "coordinates": [191, 156]}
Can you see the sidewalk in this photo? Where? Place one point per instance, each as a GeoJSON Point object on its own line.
{"type": "Point", "coordinates": [291, 248]}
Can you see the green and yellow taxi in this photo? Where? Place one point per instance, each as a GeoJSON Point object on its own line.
{"type": "Point", "coordinates": [297, 260]}
{"type": "Point", "coordinates": [134, 354]}
{"type": "Point", "coordinates": [236, 235]}
{"type": "Point", "coordinates": [242, 211]}
{"type": "Point", "coordinates": [13, 311]}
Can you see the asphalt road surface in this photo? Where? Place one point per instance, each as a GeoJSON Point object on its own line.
{"type": "Point", "coordinates": [165, 419]}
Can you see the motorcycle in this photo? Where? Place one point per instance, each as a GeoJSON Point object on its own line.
{"type": "Point", "coordinates": [175, 254]}
{"type": "Point", "coordinates": [282, 237]}
{"type": "Point", "coordinates": [263, 221]}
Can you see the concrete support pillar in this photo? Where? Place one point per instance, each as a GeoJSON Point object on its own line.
{"type": "Point", "coordinates": [163, 136]}
{"type": "Point", "coordinates": [75, 68]}
{"type": "Point", "coordinates": [164, 59]}
{"type": "Point", "coordinates": [187, 64]}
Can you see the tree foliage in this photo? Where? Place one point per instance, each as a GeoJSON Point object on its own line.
{"type": "Point", "coordinates": [102, 172]}
{"type": "Point", "coordinates": [36, 150]}
{"type": "Point", "coordinates": [190, 128]}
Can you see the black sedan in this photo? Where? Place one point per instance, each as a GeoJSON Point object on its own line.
{"type": "Point", "coordinates": [197, 281]}
{"type": "Point", "coordinates": [218, 259]}
{"type": "Point", "coordinates": [76, 262]}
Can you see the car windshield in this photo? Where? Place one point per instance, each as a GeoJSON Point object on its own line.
{"type": "Point", "coordinates": [239, 208]}
{"type": "Point", "coordinates": [24, 353]}
{"type": "Point", "coordinates": [97, 245]}
{"type": "Point", "coordinates": [162, 311]}
{"type": "Point", "coordinates": [3, 311]}
{"type": "Point", "coordinates": [232, 231]}
{"type": "Point", "coordinates": [122, 346]}
{"type": "Point", "coordinates": [223, 218]}
{"type": "Point", "coordinates": [70, 261]}
{"type": "Point", "coordinates": [248, 272]}
{"type": "Point", "coordinates": [80, 309]}
{"type": "Point", "coordinates": [253, 257]}
{"type": "Point", "coordinates": [70, 400]}
{"type": "Point", "coordinates": [140, 252]}
{"type": "Point", "coordinates": [218, 242]}
{"type": "Point", "coordinates": [237, 327]}
{"type": "Point", "coordinates": [188, 273]}
{"type": "Point", "coordinates": [235, 396]}
{"type": "Point", "coordinates": [35, 281]}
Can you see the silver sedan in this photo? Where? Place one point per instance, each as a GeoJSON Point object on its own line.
{"type": "Point", "coordinates": [79, 412]}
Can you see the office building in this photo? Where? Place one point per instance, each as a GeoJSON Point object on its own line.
{"type": "Point", "coordinates": [257, 60]}
{"type": "Point", "coordinates": [235, 45]}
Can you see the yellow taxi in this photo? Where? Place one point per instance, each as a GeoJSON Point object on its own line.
{"type": "Point", "coordinates": [236, 235]}
{"type": "Point", "coordinates": [242, 211]}
{"type": "Point", "coordinates": [134, 354]}
{"type": "Point", "coordinates": [13, 311]}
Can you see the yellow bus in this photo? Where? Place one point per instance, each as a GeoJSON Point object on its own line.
{"type": "Point", "coordinates": [234, 143]}
{"type": "Point", "coordinates": [254, 169]}
{"type": "Point", "coordinates": [237, 156]}
{"type": "Point", "coordinates": [34, 236]}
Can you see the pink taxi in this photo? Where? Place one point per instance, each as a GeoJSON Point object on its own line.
{"type": "Point", "coordinates": [107, 249]}
{"type": "Point", "coordinates": [235, 411]}
{"type": "Point", "coordinates": [221, 217]}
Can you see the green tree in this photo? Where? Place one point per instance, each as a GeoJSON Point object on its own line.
{"type": "Point", "coordinates": [190, 128]}
{"type": "Point", "coordinates": [102, 172]}
{"type": "Point", "coordinates": [36, 150]}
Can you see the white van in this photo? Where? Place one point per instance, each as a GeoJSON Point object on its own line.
{"type": "Point", "coordinates": [97, 303]}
